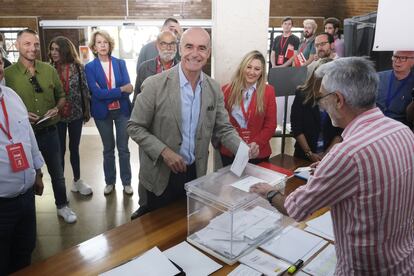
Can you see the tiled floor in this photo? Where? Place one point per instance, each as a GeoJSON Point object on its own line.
{"type": "Point", "coordinates": [96, 213]}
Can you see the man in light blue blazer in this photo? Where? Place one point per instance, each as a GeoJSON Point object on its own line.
{"type": "Point", "coordinates": [173, 121]}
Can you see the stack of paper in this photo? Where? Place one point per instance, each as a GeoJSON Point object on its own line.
{"type": "Point", "coordinates": [294, 244]}
{"type": "Point", "coordinates": [324, 263]}
{"type": "Point", "coordinates": [244, 270]}
{"type": "Point", "coordinates": [192, 261]}
{"type": "Point", "coordinates": [322, 226]}
{"type": "Point", "coordinates": [264, 263]}
{"type": "Point", "coordinates": [247, 226]}
{"type": "Point", "coordinates": [151, 263]}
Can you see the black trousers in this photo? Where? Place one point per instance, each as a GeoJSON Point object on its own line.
{"type": "Point", "coordinates": [17, 232]}
{"type": "Point", "coordinates": [174, 191]}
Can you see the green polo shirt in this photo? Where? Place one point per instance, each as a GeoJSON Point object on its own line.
{"type": "Point", "coordinates": [17, 77]}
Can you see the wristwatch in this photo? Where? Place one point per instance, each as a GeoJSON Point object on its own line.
{"type": "Point", "coordinates": [308, 154]}
{"type": "Point", "coordinates": [271, 194]}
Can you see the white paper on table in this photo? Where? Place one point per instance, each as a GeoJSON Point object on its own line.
{"type": "Point", "coordinates": [301, 273]}
{"type": "Point", "coordinates": [192, 261]}
{"type": "Point", "coordinates": [294, 244]}
{"type": "Point", "coordinates": [244, 270]}
{"type": "Point", "coordinates": [151, 263]}
{"type": "Point", "coordinates": [322, 226]}
{"type": "Point", "coordinates": [264, 263]}
{"type": "Point", "coordinates": [323, 264]}
{"type": "Point", "coordinates": [245, 183]}
{"type": "Point", "coordinates": [303, 169]}
{"type": "Point", "coordinates": [241, 159]}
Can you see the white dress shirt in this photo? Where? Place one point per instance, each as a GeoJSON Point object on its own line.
{"type": "Point", "coordinates": [12, 183]}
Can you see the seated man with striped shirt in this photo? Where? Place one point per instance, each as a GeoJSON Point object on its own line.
{"type": "Point", "coordinates": [367, 180]}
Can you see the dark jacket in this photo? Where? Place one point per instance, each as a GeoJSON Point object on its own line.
{"type": "Point", "coordinates": [306, 119]}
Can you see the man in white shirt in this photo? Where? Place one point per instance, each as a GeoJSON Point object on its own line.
{"type": "Point", "coordinates": [21, 179]}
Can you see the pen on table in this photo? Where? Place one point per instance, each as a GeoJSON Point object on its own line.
{"type": "Point", "coordinates": [293, 268]}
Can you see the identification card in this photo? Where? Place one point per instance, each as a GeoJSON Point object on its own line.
{"type": "Point", "coordinates": [17, 156]}
{"type": "Point", "coordinates": [114, 105]}
{"type": "Point", "coordinates": [280, 59]}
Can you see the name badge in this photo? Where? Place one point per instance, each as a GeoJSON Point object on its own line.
{"type": "Point", "coordinates": [280, 59]}
{"type": "Point", "coordinates": [114, 105]}
{"type": "Point", "coordinates": [17, 156]}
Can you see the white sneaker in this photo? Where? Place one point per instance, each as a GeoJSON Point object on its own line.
{"type": "Point", "coordinates": [67, 214]}
{"type": "Point", "coordinates": [108, 189]}
{"type": "Point", "coordinates": [81, 187]}
{"type": "Point", "coordinates": [128, 190]}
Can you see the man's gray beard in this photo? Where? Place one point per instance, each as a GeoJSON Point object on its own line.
{"type": "Point", "coordinates": [167, 56]}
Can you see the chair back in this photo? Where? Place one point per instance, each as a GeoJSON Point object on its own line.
{"type": "Point", "coordinates": [285, 80]}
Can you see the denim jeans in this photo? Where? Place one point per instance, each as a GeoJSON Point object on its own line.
{"type": "Point", "coordinates": [17, 232]}
{"type": "Point", "coordinates": [48, 143]}
{"type": "Point", "coordinates": [106, 131]}
{"type": "Point", "coordinates": [74, 129]}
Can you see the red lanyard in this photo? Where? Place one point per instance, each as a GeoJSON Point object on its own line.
{"type": "Point", "coordinates": [282, 44]}
{"type": "Point", "coordinates": [109, 81]}
{"type": "Point", "coordinates": [6, 118]}
{"type": "Point", "coordinates": [65, 81]}
{"type": "Point", "coordinates": [250, 110]}
{"type": "Point", "coordinates": [303, 46]}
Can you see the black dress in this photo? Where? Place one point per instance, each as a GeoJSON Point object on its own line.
{"type": "Point", "coordinates": [306, 119]}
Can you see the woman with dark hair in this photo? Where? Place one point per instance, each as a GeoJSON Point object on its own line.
{"type": "Point", "coordinates": [251, 105]}
{"type": "Point", "coordinates": [76, 111]}
{"type": "Point", "coordinates": [311, 126]}
{"type": "Point", "coordinates": [110, 87]}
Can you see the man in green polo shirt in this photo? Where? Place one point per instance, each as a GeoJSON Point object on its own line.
{"type": "Point", "coordinates": [38, 84]}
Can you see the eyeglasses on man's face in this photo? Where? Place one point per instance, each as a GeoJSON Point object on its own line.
{"type": "Point", "coordinates": [164, 44]}
{"type": "Point", "coordinates": [321, 44]}
{"type": "Point", "coordinates": [400, 58]}
{"type": "Point", "coordinates": [319, 98]}
{"type": "Point", "coordinates": [36, 85]}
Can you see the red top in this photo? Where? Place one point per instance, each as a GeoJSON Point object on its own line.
{"type": "Point", "coordinates": [261, 126]}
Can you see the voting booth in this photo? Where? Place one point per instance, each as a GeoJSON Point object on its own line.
{"type": "Point", "coordinates": [227, 221]}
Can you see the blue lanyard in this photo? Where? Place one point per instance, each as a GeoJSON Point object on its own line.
{"type": "Point", "coordinates": [390, 95]}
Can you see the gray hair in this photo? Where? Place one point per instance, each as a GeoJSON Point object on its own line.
{"type": "Point", "coordinates": [354, 77]}
{"type": "Point", "coordinates": [161, 35]}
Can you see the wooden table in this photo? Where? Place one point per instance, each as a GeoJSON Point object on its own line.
{"type": "Point", "coordinates": [164, 228]}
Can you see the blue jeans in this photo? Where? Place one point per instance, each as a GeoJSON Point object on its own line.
{"type": "Point", "coordinates": [48, 142]}
{"type": "Point", "coordinates": [74, 129]}
{"type": "Point", "coordinates": [106, 130]}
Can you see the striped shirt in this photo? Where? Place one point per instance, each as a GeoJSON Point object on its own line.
{"type": "Point", "coordinates": [368, 181]}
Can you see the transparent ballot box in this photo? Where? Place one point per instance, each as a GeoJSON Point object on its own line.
{"type": "Point", "coordinates": [228, 222]}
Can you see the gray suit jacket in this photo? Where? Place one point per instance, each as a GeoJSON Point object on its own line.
{"type": "Point", "coordinates": [155, 123]}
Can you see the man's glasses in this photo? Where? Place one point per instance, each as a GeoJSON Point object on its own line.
{"type": "Point", "coordinates": [36, 84]}
{"type": "Point", "coordinates": [318, 99]}
{"type": "Point", "coordinates": [400, 58]}
{"type": "Point", "coordinates": [169, 45]}
{"type": "Point", "coordinates": [321, 44]}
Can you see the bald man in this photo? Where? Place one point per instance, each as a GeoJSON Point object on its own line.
{"type": "Point", "coordinates": [173, 121]}
{"type": "Point", "coordinates": [395, 87]}
{"type": "Point", "coordinates": [167, 49]}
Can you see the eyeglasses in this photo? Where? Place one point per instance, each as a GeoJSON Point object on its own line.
{"type": "Point", "coordinates": [35, 83]}
{"type": "Point", "coordinates": [318, 99]}
{"type": "Point", "coordinates": [169, 45]}
{"type": "Point", "coordinates": [401, 58]}
{"type": "Point", "coordinates": [321, 44]}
